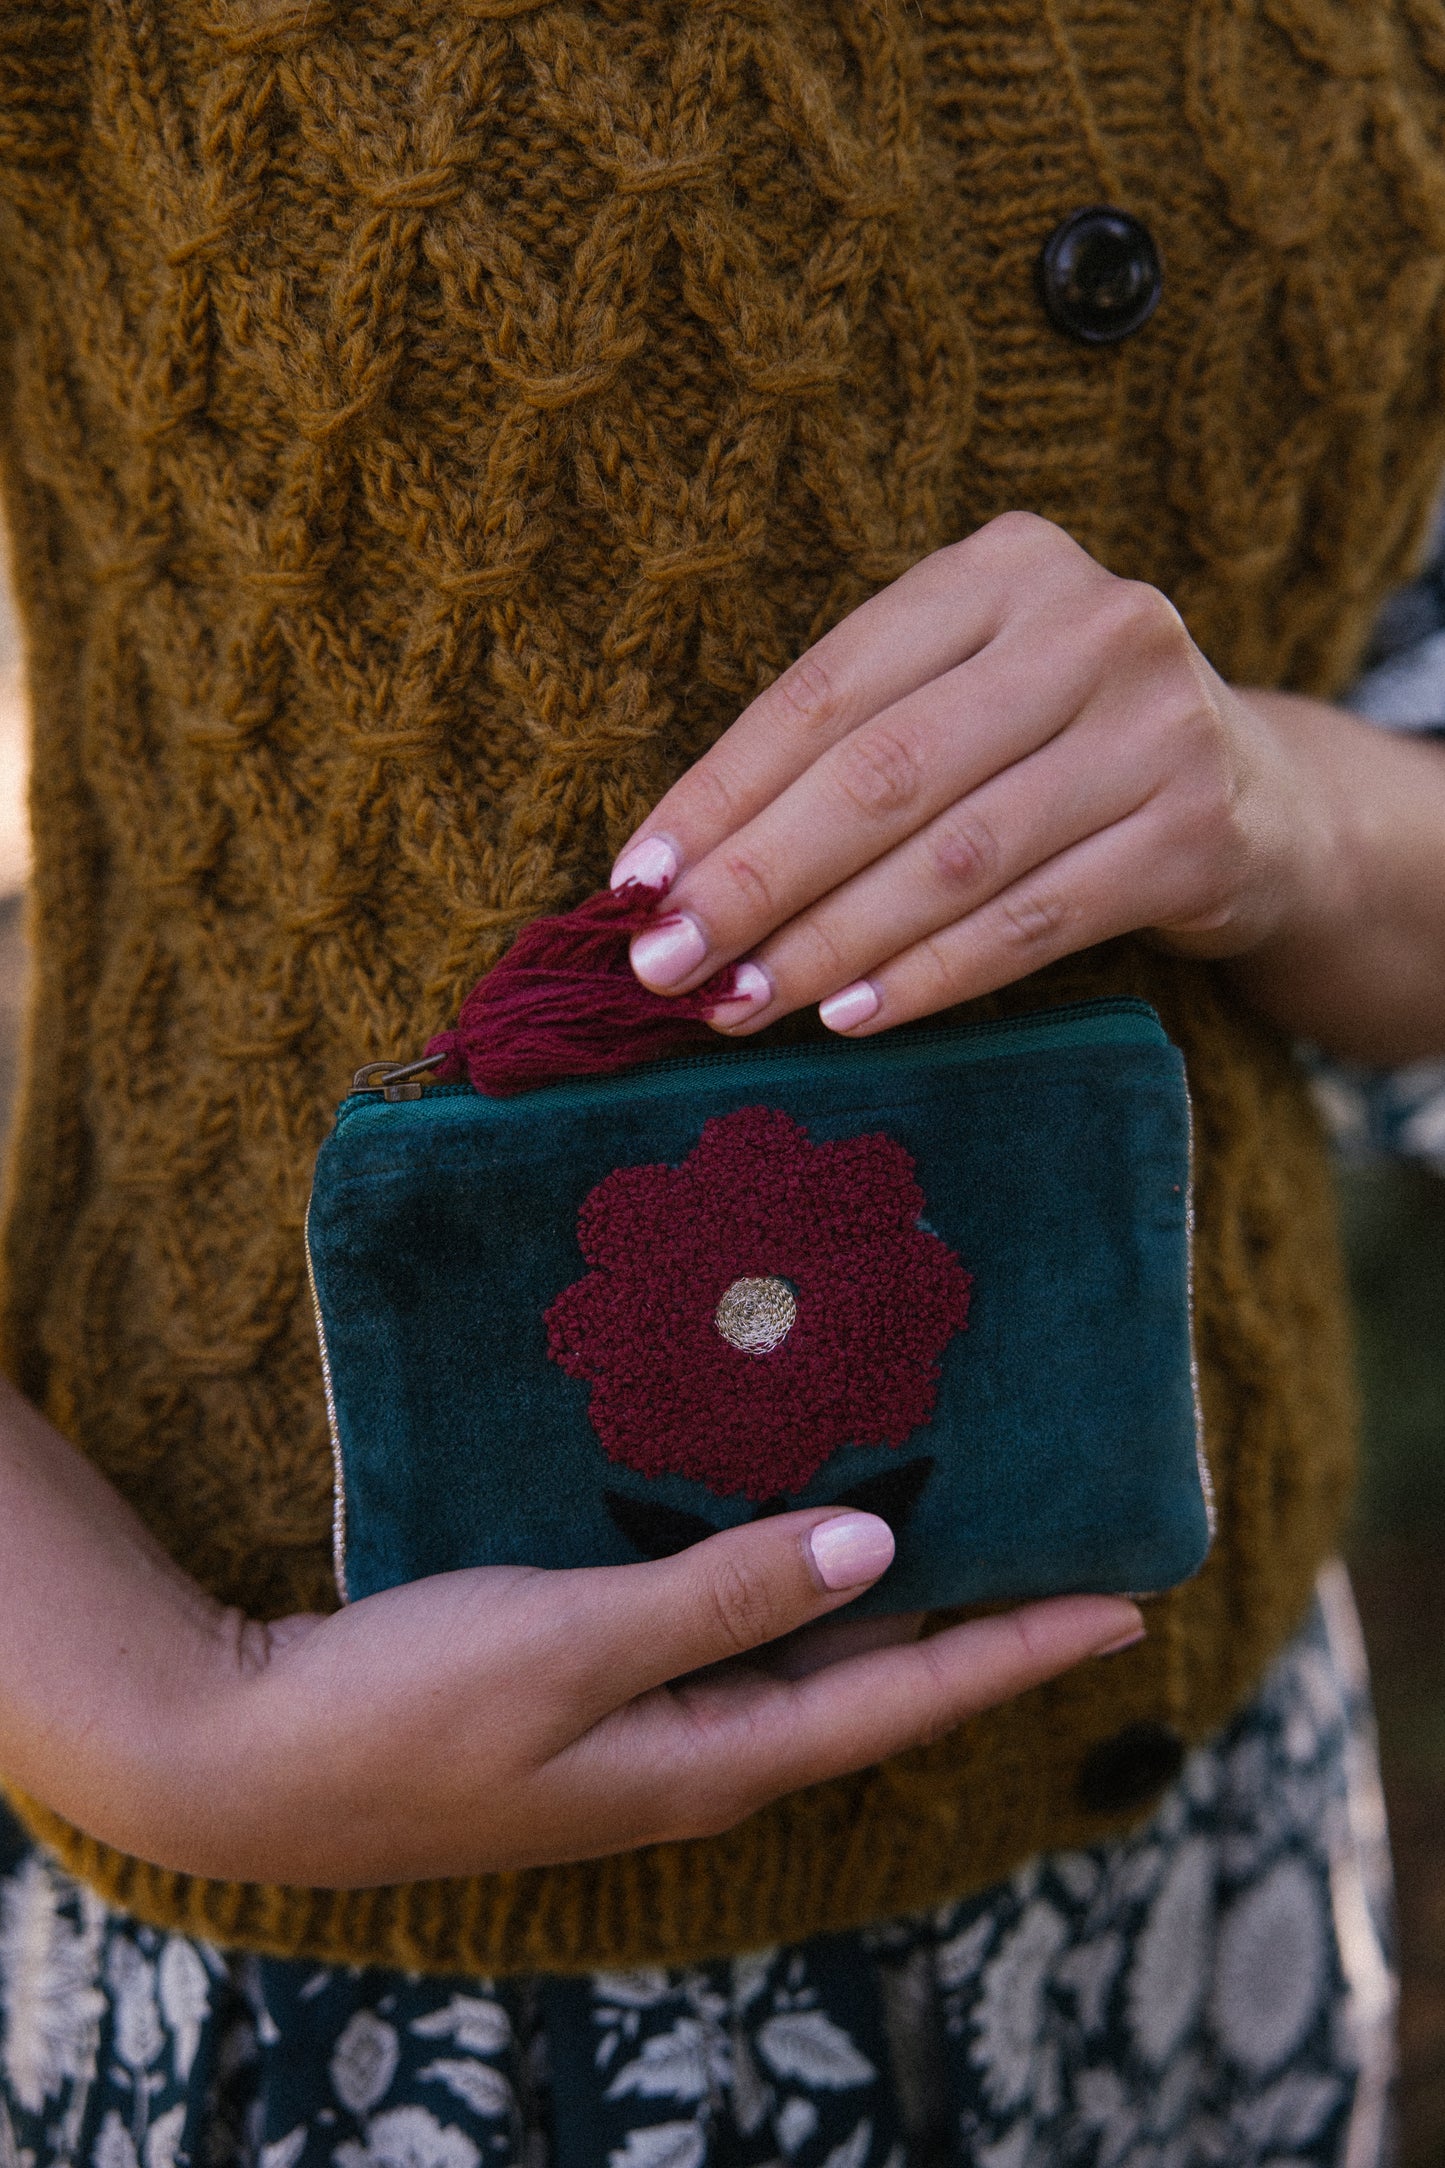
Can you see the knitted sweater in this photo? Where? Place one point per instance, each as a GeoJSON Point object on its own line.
{"type": "Point", "coordinates": [426, 423]}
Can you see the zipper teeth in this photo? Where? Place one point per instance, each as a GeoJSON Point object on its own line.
{"type": "Point", "coordinates": [943, 1034]}
{"type": "Point", "coordinates": [903, 1036]}
{"type": "Point", "coordinates": [338, 1472]}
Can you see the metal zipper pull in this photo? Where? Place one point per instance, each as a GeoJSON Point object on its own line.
{"type": "Point", "coordinates": [395, 1080]}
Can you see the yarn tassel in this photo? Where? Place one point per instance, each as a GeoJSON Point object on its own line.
{"type": "Point", "coordinates": [564, 1002]}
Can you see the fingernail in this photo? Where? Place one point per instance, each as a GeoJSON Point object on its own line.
{"type": "Point", "coordinates": [854, 1005]}
{"type": "Point", "coordinates": [668, 951]}
{"type": "Point", "coordinates": [751, 989]}
{"type": "Point", "coordinates": [850, 1549]}
{"type": "Point", "coordinates": [1129, 1639]}
{"type": "Point", "coordinates": [653, 862]}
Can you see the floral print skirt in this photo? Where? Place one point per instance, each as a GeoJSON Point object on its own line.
{"type": "Point", "coordinates": [1214, 1990]}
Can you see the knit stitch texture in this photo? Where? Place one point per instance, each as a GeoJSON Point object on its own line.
{"type": "Point", "coordinates": [425, 424]}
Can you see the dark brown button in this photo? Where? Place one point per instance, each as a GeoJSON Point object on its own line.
{"type": "Point", "coordinates": [1128, 1770]}
{"type": "Point", "coordinates": [1100, 276]}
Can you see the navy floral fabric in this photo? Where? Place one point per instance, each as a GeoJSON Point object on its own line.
{"type": "Point", "coordinates": [1215, 1990]}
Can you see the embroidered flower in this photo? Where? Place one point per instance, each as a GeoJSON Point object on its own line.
{"type": "Point", "coordinates": [759, 1306]}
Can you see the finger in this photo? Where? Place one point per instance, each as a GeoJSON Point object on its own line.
{"type": "Point", "coordinates": [1114, 882]}
{"type": "Point", "coordinates": [626, 1629]}
{"type": "Point", "coordinates": [1074, 787]}
{"type": "Point", "coordinates": [864, 797]}
{"type": "Point", "coordinates": [709, 1753]}
{"type": "Point", "coordinates": [940, 612]}
{"type": "Point", "coordinates": [925, 623]}
{"type": "Point", "coordinates": [834, 1641]}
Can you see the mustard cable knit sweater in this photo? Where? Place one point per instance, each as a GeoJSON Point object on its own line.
{"type": "Point", "coordinates": [426, 423]}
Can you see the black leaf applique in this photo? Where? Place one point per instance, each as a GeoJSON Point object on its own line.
{"type": "Point", "coordinates": [893, 1494]}
{"type": "Point", "coordinates": [658, 1531]}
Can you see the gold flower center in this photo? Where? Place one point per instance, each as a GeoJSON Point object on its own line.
{"type": "Point", "coordinates": [756, 1316]}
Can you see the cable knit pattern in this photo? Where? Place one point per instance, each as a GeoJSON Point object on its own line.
{"type": "Point", "coordinates": [425, 426]}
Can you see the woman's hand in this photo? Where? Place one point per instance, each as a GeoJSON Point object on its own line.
{"type": "Point", "coordinates": [1010, 755]}
{"type": "Point", "coordinates": [479, 1720]}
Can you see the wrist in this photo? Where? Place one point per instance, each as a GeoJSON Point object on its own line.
{"type": "Point", "coordinates": [1319, 892]}
{"type": "Point", "coordinates": [1356, 958]}
{"type": "Point", "coordinates": [1267, 838]}
{"type": "Point", "coordinates": [214, 1761]}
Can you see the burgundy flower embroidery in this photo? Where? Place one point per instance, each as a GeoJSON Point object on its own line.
{"type": "Point", "coordinates": [759, 1306]}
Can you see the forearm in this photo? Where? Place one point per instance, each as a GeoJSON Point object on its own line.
{"type": "Point", "coordinates": [1361, 969]}
{"type": "Point", "coordinates": [99, 1634]}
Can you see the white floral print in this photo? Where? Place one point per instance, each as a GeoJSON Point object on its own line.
{"type": "Point", "coordinates": [185, 1996]}
{"type": "Point", "coordinates": [1272, 1968]}
{"type": "Point", "coordinates": [485, 2091]}
{"type": "Point", "coordinates": [50, 1995]}
{"type": "Point", "coordinates": [854, 2151]}
{"type": "Point", "coordinates": [960, 1956]}
{"type": "Point", "coordinates": [807, 2045]}
{"type": "Point", "coordinates": [1088, 1971]}
{"type": "Point", "coordinates": [131, 1979]}
{"type": "Point", "coordinates": [12, 2153]}
{"type": "Point", "coordinates": [796, 2124]}
{"type": "Point", "coordinates": [662, 2145]}
{"type": "Point", "coordinates": [114, 2147]}
{"type": "Point", "coordinates": [684, 2063]}
{"type": "Point", "coordinates": [285, 2152]}
{"type": "Point", "coordinates": [1010, 2012]}
{"type": "Point", "coordinates": [363, 2062]}
{"type": "Point", "coordinates": [409, 2138]}
{"type": "Point", "coordinates": [163, 2139]}
{"type": "Point", "coordinates": [475, 2022]}
{"type": "Point", "coordinates": [1170, 1965]}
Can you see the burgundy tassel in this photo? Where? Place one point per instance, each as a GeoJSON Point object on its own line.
{"type": "Point", "coordinates": [564, 1002]}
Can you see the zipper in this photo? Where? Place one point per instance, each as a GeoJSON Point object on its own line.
{"type": "Point", "coordinates": [395, 1080]}
{"type": "Point", "coordinates": [390, 1082]}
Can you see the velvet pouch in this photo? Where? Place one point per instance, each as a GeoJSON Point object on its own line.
{"type": "Point", "coordinates": [943, 1273]}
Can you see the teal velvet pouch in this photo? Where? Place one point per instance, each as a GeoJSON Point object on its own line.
{"type": "Point", "coordinates": [943, 1273]}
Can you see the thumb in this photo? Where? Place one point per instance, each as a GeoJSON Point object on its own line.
{"type": "Point", "coordinates": [735, 1592]}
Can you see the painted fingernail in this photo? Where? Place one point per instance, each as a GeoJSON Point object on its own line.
{"type": "Point", "coordinates": [668, 951]}
{"type": "Point", "coordinates": [853, 1006]}
{"type": "Point", "coordinates": [1129, 1639]}
{"type": "Point", "coordinates": [850, 1549]}
{"type": "Point", "coordinates": [751, 989]}
{"type": "Point", "coordinates": [653, 862]}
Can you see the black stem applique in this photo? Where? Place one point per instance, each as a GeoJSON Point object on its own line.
{"type": "Point", "coordinates": [893, 1494]}
{"type": "Point", "coordinates": [659, 1531]}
